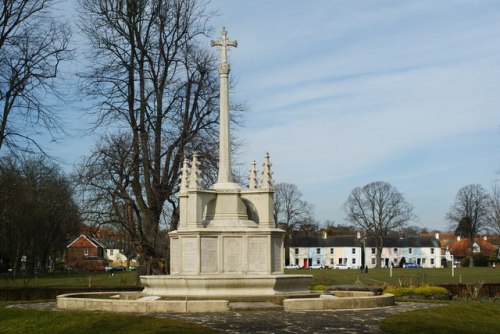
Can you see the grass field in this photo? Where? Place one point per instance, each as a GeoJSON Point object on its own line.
{"type": "Point", "coordinates": [79, 279]}
{"type": "Point", "coordinates": [420, 276]}
{"type": "Point", "coordinates": [327, 277]}
{"type": "Point", "coordinates": [33, 321]}
{"type": "Point", "coordinates": [453, 318]}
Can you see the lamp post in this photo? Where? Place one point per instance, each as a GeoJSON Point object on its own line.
{"type": "Point", "coordinates": [362, 240]}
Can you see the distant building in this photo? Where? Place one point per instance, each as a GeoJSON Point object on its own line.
{"type": "Point", "coordinates": [355, 251]}
{"type": "Point", "coordinates": [85, 253]}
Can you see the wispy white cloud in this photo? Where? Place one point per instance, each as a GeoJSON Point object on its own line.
{"type": "Point", "coordinates": [344, 92]}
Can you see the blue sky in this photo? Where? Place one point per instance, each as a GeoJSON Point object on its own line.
{"type": "Point", "coordinates": [343, 93]}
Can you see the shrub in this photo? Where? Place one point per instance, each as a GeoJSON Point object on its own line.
{"type": "Point", "coordinates": [418, 291]}
{"type": "Point", "coordinates": [318, 287]}
{"type": "Point", "coordinates": [479, 261]}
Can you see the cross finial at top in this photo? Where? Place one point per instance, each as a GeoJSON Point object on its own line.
{"type": "Point", "coordinates": [224, 44]}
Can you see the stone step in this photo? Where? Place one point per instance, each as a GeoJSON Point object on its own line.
{"type": "Point", "coordinates": [254, 306]}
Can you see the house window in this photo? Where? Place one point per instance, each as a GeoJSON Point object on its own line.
{"type": "Point", "coordinates": [318, 262]}
{"type": "Point", "coordinates": [111, 252]}
{"type": "Point", "coordinates": [432, 250]}
{"type": "Point", "coordinates": [409, 250]}
{"type": "Point", "coordinates": [374, 251]}
{"type": "Point", "coordinates": [432, 261]}
{"type": "Point", "coordinates": [353, 261]}
{"type": "Point", "coordinates": [331, 250]}
{"type": "Point", "coordinates": [373, 261]}
{"type": "Point", "coordinates": [318, 250]}
{"type": "Point", "coordinates": [395, 250]}
{"type": "Point", "coordinates": [331, 261]}
{"type": "Point", "coordinates": [86, 252]}
{"type": "Point", "coordinates": [354, 250]}
{"type": "Point", "coordinates": [296, 251]}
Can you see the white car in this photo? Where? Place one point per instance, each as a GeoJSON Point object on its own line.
{"type": "Point", "coordinates": [292, 266]}
{"type": "Point", "coordinates": [341, 266]}
{"type": "Point", "coordinates": [316, 266]}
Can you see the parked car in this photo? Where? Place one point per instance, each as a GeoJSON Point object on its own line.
{"type": "Point", "coordinates": [316, 266]}
{"type": "Point", "coordinates": [410, 265]}
{"type": "Point", "coordinates": [292, 266]}
{"type": "Point", "coordinates": [341, 266]}
{"type": "Point", "coordinates": [97, 268]}
{"type": "Point", "coordinates": [117, 268]}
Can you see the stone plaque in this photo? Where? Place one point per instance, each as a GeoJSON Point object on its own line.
{"type": "Point", "coordinates": [257, 254]}
{"type": "Point", "coordinates": [232, 255]}
{"type": "Point", "coordinates": [208, 255]}
{"type": "Point", "coordinates": [276, 254]}
{"type": "Point", "coordinates": [189, 257]}
{"type": "Point", "coordinates": [174, 255]}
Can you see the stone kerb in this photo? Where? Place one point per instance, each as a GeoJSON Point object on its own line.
{"type": "Point", "coordinates": [71, 302]}
{"type": "Point", "coordinates": [330, 302]}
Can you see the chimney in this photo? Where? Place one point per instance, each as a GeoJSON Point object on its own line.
{"type": "Point", "coordinates": [437, 236]}
{"type": "Point", "coordinates": [458, 238]}
{"type": "Point", "coordinates": [485, 238]}
{"type": "Point", "coordinates": [358, 235]}
{"type": "Point", "coordinates": [325, 235]}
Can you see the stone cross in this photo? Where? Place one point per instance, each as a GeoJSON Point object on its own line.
{"type": "Point", "coordinates": [224, 44]}
{"type": "Point", "coordinates": [225, 176]}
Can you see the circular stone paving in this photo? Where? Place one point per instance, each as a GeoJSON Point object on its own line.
{"type": "Point", "coordinates": [271, 321]}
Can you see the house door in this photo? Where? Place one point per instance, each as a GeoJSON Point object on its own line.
{"type": "Point", "coordinates": [305, 263]}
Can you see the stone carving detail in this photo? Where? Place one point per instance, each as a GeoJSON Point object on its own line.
{"type": "Point", "coordinates": [184, 176]}
{"type": "Point", "coordinates": [224, 43]}
{"type": "Point", "coordinates": [267, 174]}
{"type": "Point", "coordinates": [194, 177]}
{"type": "Point", "coordinates": [252, 178]}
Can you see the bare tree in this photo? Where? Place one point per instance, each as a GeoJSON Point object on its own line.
{"type": "Point", "coordinates": [378, 208]}
{"type": "Point", "coordinates": [470, 213]}
{"type": "Point", "coordinates": [152, 76]}
{"type": "Point", "coordinates": [494, 208]}
{"type": "Point", "coordinates": [37, 213]}
{"type": "Point", "coordinates": [32, 46]}
{"type": "Point", "coordinates": [291, 211]}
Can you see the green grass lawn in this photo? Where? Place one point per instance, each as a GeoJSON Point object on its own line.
{"type": "Point", "coordinates": [406, 276]}
{"type": "Point", "coordinates": [33, 321]}
{"type": "Point", "coordinates": [326, 277]}
{"type": "Point", "coordinates": [78, 279]}
{"type": "Point", "coordinates": [454, 318]}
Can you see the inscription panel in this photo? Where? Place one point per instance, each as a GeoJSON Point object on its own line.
{"type": "Point", "coordinates": [209, 255]}
{"type": "Point", "coordinates": [174, 255]}
{"type": "Point", "coordinates": [189, 257]}
{"type": "Point", "coordinates": [232, 255]}
{"type": "Point", "coordinates": [276, 254]}
{"type": "Point", "coordinates": [257, 254]}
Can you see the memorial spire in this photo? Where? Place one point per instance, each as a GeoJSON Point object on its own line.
{"type": "Point", "coordinates": [225, 175]}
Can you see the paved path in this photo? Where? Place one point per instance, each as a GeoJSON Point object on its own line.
{"type": "Point", "coordinates": [332, 321]}
{"type": "Point", "coordinates": [277, 321]}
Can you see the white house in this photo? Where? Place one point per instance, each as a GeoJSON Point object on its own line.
{"type": "Point", "coordinates": [356, 251]}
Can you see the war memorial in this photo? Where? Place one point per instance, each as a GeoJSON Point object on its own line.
{"type": "Point", "coordinates": [227, 248]}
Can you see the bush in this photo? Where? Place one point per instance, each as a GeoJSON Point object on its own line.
{"type": "Point", "coordinates": [479, 261]}
{"type": "Point", "coordinates": [418, 291]}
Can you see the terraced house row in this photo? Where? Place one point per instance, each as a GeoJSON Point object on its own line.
{"type": "Point", "coordinates": [354, 251]}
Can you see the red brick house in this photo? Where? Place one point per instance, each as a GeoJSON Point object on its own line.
{"type": "Point", "coordinates": [85, 253]}
{"type": "Point", "coordinates": [460, 248]}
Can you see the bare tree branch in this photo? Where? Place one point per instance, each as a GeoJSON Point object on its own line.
{"type": "Point", "coordinates": [378, 208]}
